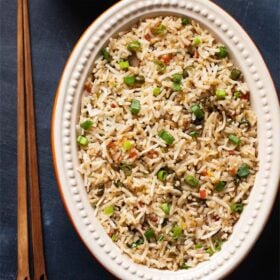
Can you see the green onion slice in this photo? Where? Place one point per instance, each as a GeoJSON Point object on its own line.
{"type": "Point", "coordinates": [166, 137]}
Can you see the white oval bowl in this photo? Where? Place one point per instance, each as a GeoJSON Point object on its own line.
{"type": "Point", "coordinates": [66, 112]}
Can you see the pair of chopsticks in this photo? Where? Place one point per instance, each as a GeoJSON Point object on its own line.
{"type": "Point", "coordinates": [27, 158]}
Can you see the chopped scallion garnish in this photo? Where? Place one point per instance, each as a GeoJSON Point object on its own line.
{"type": "Point", "coordinates": [149, 234]}
{"type": "Point", "coordinates": [191, 181]}
{"type": "Point", "coordinates": [243, 171]}
{"type": "Point", "coordinates": [82, 140]}
{"type": "Point", "coordinates": [158, 30]}
{"type": "Point", "coordinates": [165, 207]}
{"type": "Point", "coordinates": [134, 46]}
{"type": "Point", "coordinates": [222, 52]}
{"type": "Point", "coordinates": [156, 91]}
{"type": "Point", "coordinates": [196, 41]}
{"type": "Point", "coordinates": [220, 186]}
{"type": "Point", "coordinates": [127, 145]}
{"type": "Point", "coordinates": [177, 232]}
{"type": "Point", "coordinates": [237, 207]}
{"type": "Point", "coordinates": [234, 139]}
{"type": "Point", "coordinates": [137, 243]}
{"type": "Point", "coordinates": [184, 266]}
{"type": "Point", "coordinates": [193, 133]}
{"type": "Point", "coordinates": [198, 112]}
{"type": "Point", "coordinates": [135, 106]}
{"type": "Point", "coordinates": [105, 54]}
{"type": "Point", "coordinates": [129, 80]}
{"type": "Point", "coordinates": [237, 94]}
{"type": "Point", "coordinates": [86, 124]}
{"type": "Point", "coordinates": [124, 65]}
{"type": "Point", "coordinates": [220, 94]}
{"type": "Point", "coordinates": [177, 86]}
{"type": "Point", "coordinates": [185, 21]}
{"type": "Point", "coordinates": [161, 66]}
{"type": "Point", "coordinates": [109, 210]}
{"type": "Point", "coordinates": [166, 137]}
{"type": "Point", "coordinates": [235, 74]}
{"type": "Point", "coordinates": [162, 175]}
{"type": "Point", "coordinates": [177, 78]}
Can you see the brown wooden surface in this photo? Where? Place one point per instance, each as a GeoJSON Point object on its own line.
{"type": "Point", "coordinates": [22, 223]}
{"type": "Point", "coordinates": [26, 119]}
{"type": "Point", "coordinates": [34, 191]}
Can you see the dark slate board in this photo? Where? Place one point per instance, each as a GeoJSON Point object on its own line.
{"type": "Point", "coordinates": [55, 27]}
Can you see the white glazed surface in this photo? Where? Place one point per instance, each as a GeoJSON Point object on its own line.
{"type": "Point", "coordinates": [264, 102]}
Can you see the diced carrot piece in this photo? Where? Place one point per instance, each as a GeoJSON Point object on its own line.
{"type": "Point", "coordinates": [202, 194]}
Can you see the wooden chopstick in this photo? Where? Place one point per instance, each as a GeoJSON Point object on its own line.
{"type": "Point", "coordinates": [22, 210]}
{"type": "Point", "coordinates": [34, 190]}
{"type": "Point", "coordinates": [26, 113]}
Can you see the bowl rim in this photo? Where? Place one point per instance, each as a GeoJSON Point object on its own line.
{"type": "Point", "coordinates": [73, 54]}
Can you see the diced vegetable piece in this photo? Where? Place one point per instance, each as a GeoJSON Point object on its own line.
{"type": "Point", "coordinates": [185, 21]}
{"type": "Point", "coordinates": [140, 79]}
{"type": "Point", "coordinates": [177, 78]}
{"type": "Point", "coordinates": [218, 244]}
{"type": "Point", "coordinates": [87, 124]}
{"type": "Point", "coordinates": [109, 210]}
{"type": "Point", "coordinates": [184, 266]}
{"type": "Point", "coordinates": [105, 54]}
{"type": "Point", "coordinates": [198, 246]}
{"type": "Point", "coordinates": [137, 243]}
{"type": "Point", "coordinates": [191, 181]}
{"type": "Point", "coordinates": [124, 65]}
{"type": "Point", "coordinates": [235, 74]}
{"type": "Point", "coordinates": [161, 66]}
{"type": "Point", "coordinates": [237, 94]}
{"type": "Point", "coordinates": [100, 190]}
{"type": "Point", "coordinates": [129, 80]}
{"type": "Point", "coordinates": [162, 175]}
{"type": "Point", "coordinates": [198, 112]}
{"type": "Point", "coordinates": [177, 86]}
{"type": "Point", "coordinates": [234, 139]}
{"type": "Point", "coordinates": [114, 237]}
{"type": "Point", "coordinates": [82, 140]}
{"type": "Point", "coordinates": [210, 251]}
{"type": "Point", "coordinates": [177, 232]}
{"type": "Point", "coordinates": [193, 133]}
{"type": "Point", "coordinates": [156, 91]}
{"type": "Point", "coordinates": [185, 73]}
{"type": "Point", "coordinates": [220, 93]}
{"type": "Point", "coordinates": [244, 123]}
{"type": "Point", "coordinates": [127, 145]}
{"type": "Point", "coordinates": [166, 137]}
{"type": "Point", "coordinates": [243, 171]}
{"type": "Point", "coordinates": [158, 30]}
{"type": "Point", "coordinates": [149, 234]}
{"type": "Point", "coordinates": [191, 50]}
{"type": "Point", "coordinates": [165, 207]}
{"type": "Point", "coordinates": [166, 58]}
{"type": "Point", "coordinates": [220, 186]}
{"type": "Point", "coordinates": [126, 168]}
{"type": "Point", "coordinates": [161, 238]}
{"type": "Point", "coordinates": [237, 207]}
{"type": "Point", "coordinates": [119, 184]}
{"type": "Point", "coordinates": [135, 106]}
{"type": "Point", "coordinates": [134, 46]}
{"type": "Point", "coordinates": [202, 194]}
{"type": "Point", "coordinates": [222, 52]}
{"type": "Point", "coordinates": [196, 41]}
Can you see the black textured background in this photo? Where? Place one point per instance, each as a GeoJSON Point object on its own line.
{"type": "Point", "coordinates": [55, 27]}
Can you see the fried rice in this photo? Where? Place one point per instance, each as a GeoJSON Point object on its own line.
{"type": "Point", "coordinates": [167, 142]}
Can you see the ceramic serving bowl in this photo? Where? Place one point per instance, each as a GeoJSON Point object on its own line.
{"type": "Point", "coordinates": [66, 111]}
